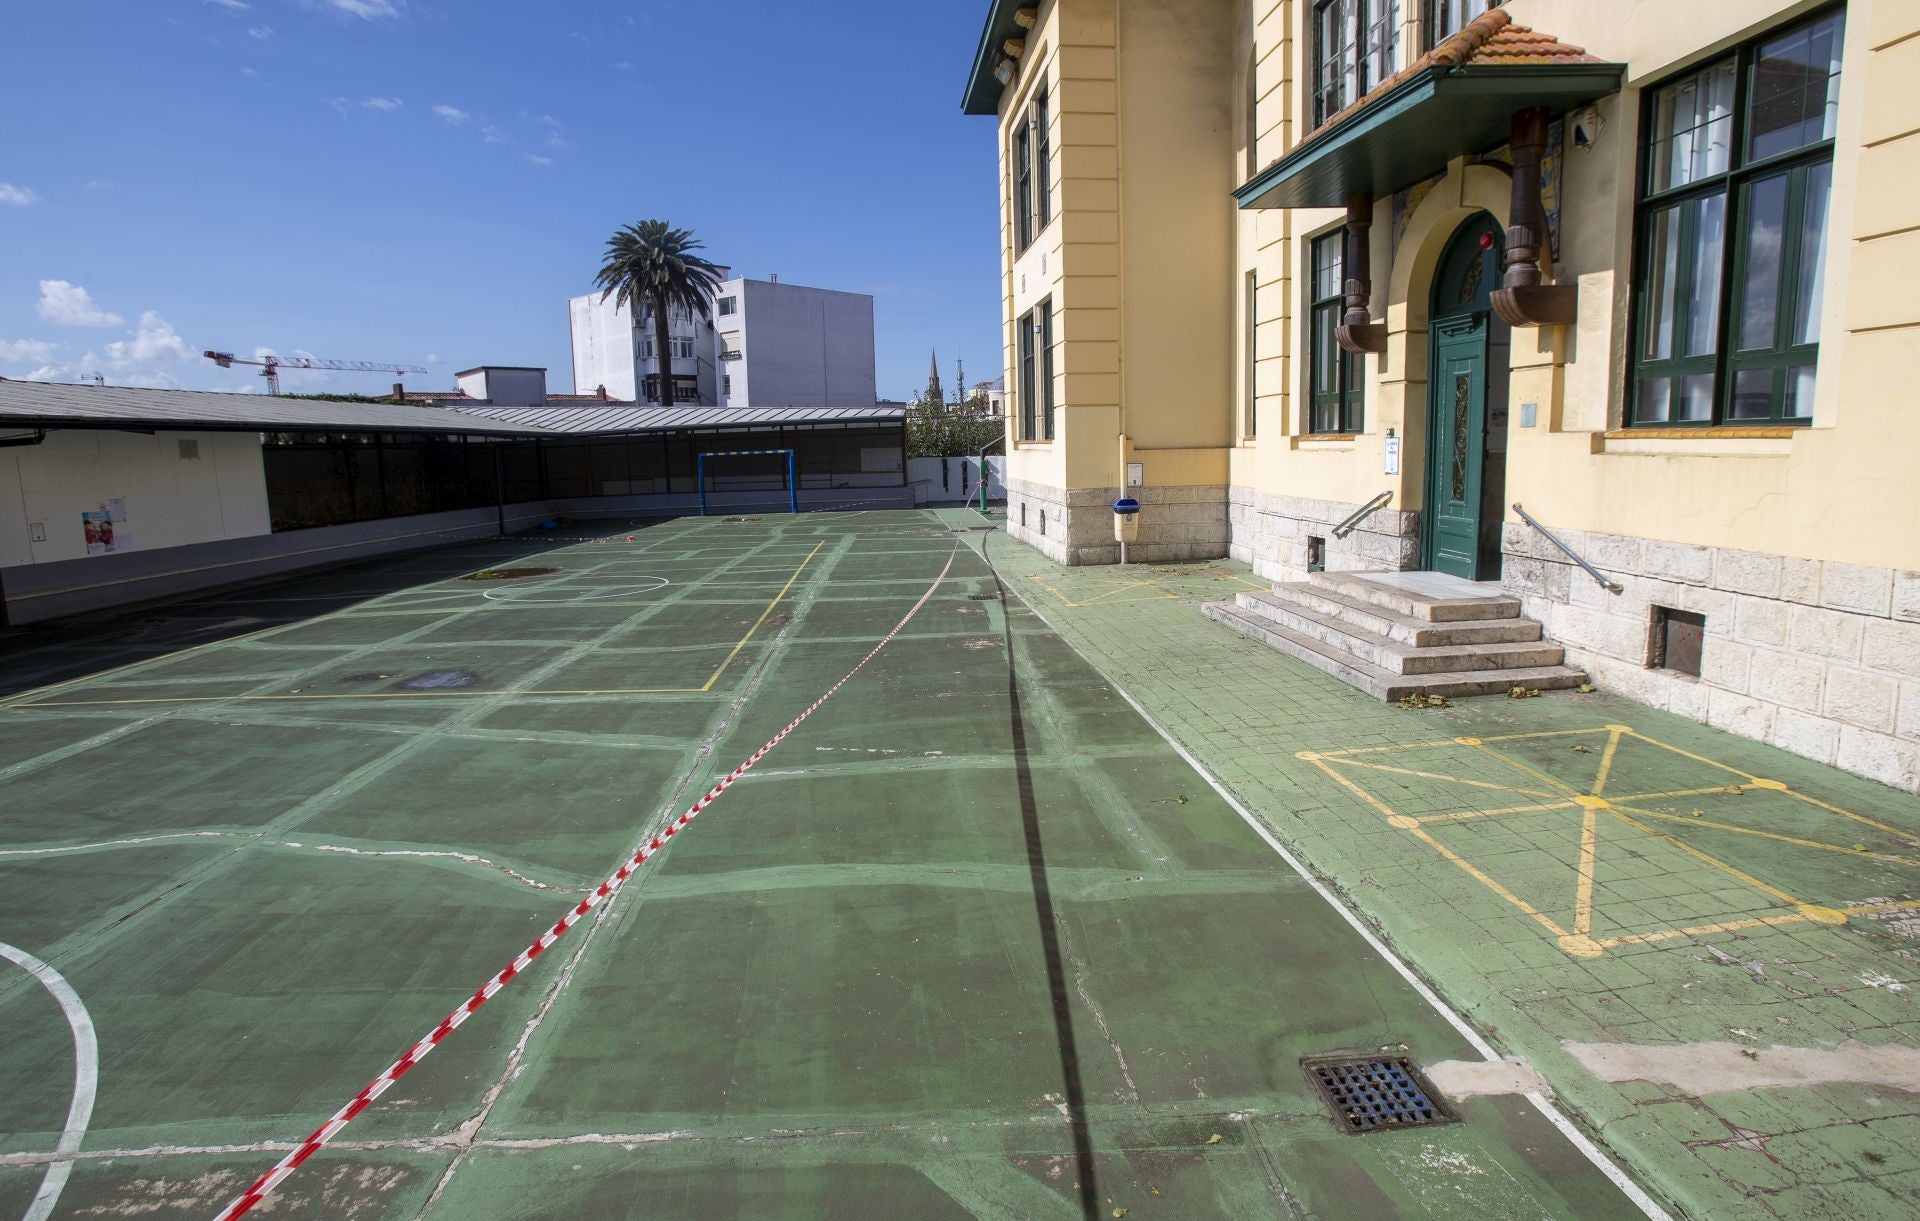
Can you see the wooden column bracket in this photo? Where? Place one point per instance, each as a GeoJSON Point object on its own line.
{"type": "Point", "coordinates": [1523, 299]}
{"type": "Point", "coordinates": [1357, 331]}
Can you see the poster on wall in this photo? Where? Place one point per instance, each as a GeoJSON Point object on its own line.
{"type": "Point", "coordinates": [105, 528]}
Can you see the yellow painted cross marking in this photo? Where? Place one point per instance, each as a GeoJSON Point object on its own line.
{"type": "Point", "coordinates": [1350, 767]}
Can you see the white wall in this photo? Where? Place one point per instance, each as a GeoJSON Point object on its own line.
{"type": "Point", "coordinates": [603, 347]}
{"type": "Point", "coordinates": [802, 347]}
{"type": "Point", "coordinates": [505, 386]}
{"type": "Point", "coordinates": [953, 479]}
{"type": "Point", "coordinates": [607, 350]}
{"type": "Point", "coordinates": [169, 500]}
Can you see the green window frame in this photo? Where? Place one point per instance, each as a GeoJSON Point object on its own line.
{"type": "Point", "coordinates": [1044, 311]}
{"type": "Point", "coordinates": [1445, 18]}
{"type": "Point", "coordinates": [1355, 49]}
{"type": "Point", "coordinates": [1249, 335]}
{"type": "Point", "coordinates": [1336, 386]}
{"type": "Point", "coordinates": [1731, 229]}
{"type": "Point", "coordinates": [1032, 171]}
{"type": "Point", "coordinates": [1029, 401]}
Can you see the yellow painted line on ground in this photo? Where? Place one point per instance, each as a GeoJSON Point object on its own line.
{"type": "Point", "coordinates": [1589, 858]}
{"type": "Point", "coordinates": [1545, 733]}
{"type": "Point", "coordinates": [1736, 829]}
{"type": "Point", "coordinates": [1708, 858]}
{"type": "Point", "coordinates": [1871, 909]}
{"type": "Point", "coordinates": [1479, 744]}
{"type": "Point", "coordinates": [1478, 784]}
{"type": "Point", "coordinates": [1630, 797]}
{"type": "Point", "coordinates": [1859, 818]}
{"type": "Point", "coordinates": [1405, 823]}
{"type": "Point", "coordinates": [1468, 815]}
{"type": "Point", "coordinates": [1540, 917]}
{"type": "Point", "coordinates": [1365, 796]}
{"type": "Point", "coordinates": [1700, 930]}
{"type": "Point", "coordinates": [764, 615]}
{"type": "Point", "coordinates": [1606, 762]}
{"type": "Point", "coordinates": [1730, 770]}
{"type": "Point", "coordinates": [1376, 750]}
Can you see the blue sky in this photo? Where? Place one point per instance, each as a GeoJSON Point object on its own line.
{"type": "Point", "coordinates": [428, 181]}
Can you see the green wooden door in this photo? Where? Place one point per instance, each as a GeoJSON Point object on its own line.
{"type": "Point", "coordinates": [1457, 450]}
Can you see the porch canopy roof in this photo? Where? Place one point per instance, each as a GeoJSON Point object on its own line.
{"type": "Point", "coordinates": [1455, 100]}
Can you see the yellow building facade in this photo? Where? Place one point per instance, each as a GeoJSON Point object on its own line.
{"type": "Point", "coordinates": [1632, 276]}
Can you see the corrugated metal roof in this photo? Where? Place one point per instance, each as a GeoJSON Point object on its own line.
{"type": "Point", "coordinates": [671, 419]}
{"type": "Point", "coordinates": [52, 404]}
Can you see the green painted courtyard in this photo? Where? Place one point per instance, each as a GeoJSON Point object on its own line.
{"type": "Point", "coordinates": [1049, 911]}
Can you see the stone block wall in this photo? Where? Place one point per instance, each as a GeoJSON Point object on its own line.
{"type": "Point", "coordinates": [1816, 657]}
{"type": "Point", "coordinates": [1076, 527]}
{"type": "Point", "coordinates": [1271, 532]}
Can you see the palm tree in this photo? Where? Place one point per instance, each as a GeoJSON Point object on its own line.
{"type": "Point", "coordinates": [652, 263]}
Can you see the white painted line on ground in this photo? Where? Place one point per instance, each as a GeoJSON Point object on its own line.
{"type": "Point", "coordinates": [86, 1076]}
{"type": "Point", "coordinates": [621, 591]}
{"type": "Point", "coordinates": [1593, 1153]}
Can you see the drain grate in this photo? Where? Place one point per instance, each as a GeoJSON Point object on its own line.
{"type": "Point", "coordinates": [983, 597]}
{"type": "Point", "coordinates": [1374, 1093]}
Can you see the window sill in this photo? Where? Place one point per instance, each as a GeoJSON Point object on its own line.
{"type": "Point", "coordinates": [1325, 440]}
{"type": "Point", "coordinates": [1736, 431]}
{"type": "Point", "coordinates": [1771, 441]}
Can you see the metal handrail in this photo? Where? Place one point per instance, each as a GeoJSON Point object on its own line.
{"type": "Point", "coordinates": [1611, 586]}
{"type": "Point", "coordinates": [1346, 527]}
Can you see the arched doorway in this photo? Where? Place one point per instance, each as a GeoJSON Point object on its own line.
{"type": "Point", "coordinates": [1466, 478]}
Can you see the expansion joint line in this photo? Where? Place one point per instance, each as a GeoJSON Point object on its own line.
{"type": "Point", "coordinates": [325, 1133]}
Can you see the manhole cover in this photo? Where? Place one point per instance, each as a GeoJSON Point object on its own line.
{"type": "Point", "coordinates": [1373, 1093]}
{"type": "Point", "coordinates": [508, 574]}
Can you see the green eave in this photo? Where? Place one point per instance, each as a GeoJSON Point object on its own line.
{"type": "Point", "coordinates": [983, 92]}
{"type": "Point", "coordinates": [1409, 133]}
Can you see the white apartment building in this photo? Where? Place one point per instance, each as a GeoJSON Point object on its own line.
{"type": "Point", "coordinates": [787, 345]}
{"type": "Point", "coordinates": [611, 349]}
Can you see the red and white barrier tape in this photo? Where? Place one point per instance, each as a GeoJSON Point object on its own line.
{"type": "Point", "coordinates": [606, 890]}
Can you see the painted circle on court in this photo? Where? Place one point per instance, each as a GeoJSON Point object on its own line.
{"type": "Point", "coordinates": [532, 595]}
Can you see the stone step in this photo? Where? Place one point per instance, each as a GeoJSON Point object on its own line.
{"type": "Point", "coordinates": [1383, 684]}
{"type": "Point", "coordinates": [1404, 628]}
{"type": "Point", "coordinates": [1396, 656]}
{"type": "Point", "coordinates": [1433, 608]}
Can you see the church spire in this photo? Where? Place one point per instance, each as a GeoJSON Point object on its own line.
{"type": "Point", "coordinates": [934, 393]}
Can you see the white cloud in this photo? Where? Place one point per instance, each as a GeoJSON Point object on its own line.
{"type": "Point", "coordinates": [623, 66]}
{"type": "Point", "coordinates": [384, 105]}
{"type": "Point", "coordinates": [367, 10]}
{"type": "Point", "coordinates": [452, 114]}
{"type": "Point", "coordinates": [156, 355]}
{"type": "Point", "coordinates": [21, 351]}
{"type": "Point", "coordinates": [19, 197]}
{"type": "Point", "coordinates": [434, 360]}
{"type": "Point", "coordinates": [262, 32]}
{"type": "Point", "coordinates": [537, 159]}
{"type": "Point", "coordinates": [153, 340]}
{"type": "Point", "coordinates": [249, 72]}
{"type": "Point", "coordinates": [341, 105]}
{"type": "Point", "coordinates": [493, 135]}
{"type": "Point", "coordinates": [238, 6]}
{"type": "Point", "coordinates": [69, 305]}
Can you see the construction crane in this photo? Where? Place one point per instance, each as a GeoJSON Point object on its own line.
{"type": "Point", "coordinates": [270, 366]}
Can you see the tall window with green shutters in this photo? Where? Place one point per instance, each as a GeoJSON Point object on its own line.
{"type": "Point", "coordinates": [1732, 228]}
{"type": "Point", "coordinates": [1337, 403]}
